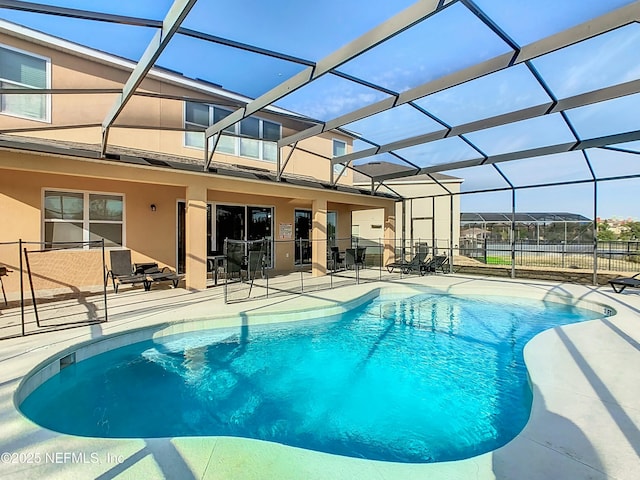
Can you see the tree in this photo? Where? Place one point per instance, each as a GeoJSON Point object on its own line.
{"type": "Point", "coordinates": [605, 233]}
{"type": "Point", "coordinates": [630, 231]}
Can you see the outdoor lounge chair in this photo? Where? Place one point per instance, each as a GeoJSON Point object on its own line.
{"type": "Point", "coordinates": [620, 283]}
{"type": "Point", "coordinates": [436, 263]}
{"type": "Point", "coordinates": [417, 263]}
{"type": "Point", "coordinates": [153, 274]}
{"type": "Point", "coordinates": [122, 270]}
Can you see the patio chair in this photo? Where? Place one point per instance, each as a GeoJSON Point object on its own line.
{"type": "Point", "coordinates": [417, 263]}
{"type": "Point", "coordinates": [335, 259]}
{"type": "Point", "coordinates": [350, 258]}
{"type": "Point", "coordinates": [361, 253]}
{"type": "Point", "coordinates": [121, 271]}
{"type": "Point", "coordinates": [620, 283]}
{"type": "Point", "coordinates": [235, 259]}
{"type": "Point", "coordinates": [154, 274]}
{"type": "Point", "coordinates": [255, 263]}
{"type": "Point", "coordinates": [354, 257]}
{"type": "Point", "coordinates": [436, 263]}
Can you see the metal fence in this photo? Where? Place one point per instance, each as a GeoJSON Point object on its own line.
{"type": "Point", "coordinates": [248, 267]}
{"type": "Point", "coordinates": [51, 286]}
{"type": "Point", "coordinates": [615, 256]}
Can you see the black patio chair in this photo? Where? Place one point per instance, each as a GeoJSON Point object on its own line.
{"type": "Point", "coordinates": [122, 270]}
{"type": "Point", "coordinates": [235, 259]}
{"type": "Point", "coordinates": [620, 283]}
{"type": "Point", "coordinates": [361, 253]}
{"type": "Point", "coordinates": [416, 264]}
{"type": "Point", "coordinates": [436, 263]}
{"type": "Point", "coordinates": [254, 264]}
{"type": "Point", "coordinates": [335, 259]}
{"type": "Point", "coordinates": [154, 274]}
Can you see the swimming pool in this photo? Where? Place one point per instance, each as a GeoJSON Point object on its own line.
{"type": "Point", "coordinates": [419, 379]}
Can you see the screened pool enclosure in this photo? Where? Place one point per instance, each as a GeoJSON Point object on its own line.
{"type": "Point", "coordinates": [533, 104]}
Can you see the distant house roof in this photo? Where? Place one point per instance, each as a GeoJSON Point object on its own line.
{"type": "Point", "coordinates": [362, 173]}
{"type": "Point", "coordinates": [492, 217]}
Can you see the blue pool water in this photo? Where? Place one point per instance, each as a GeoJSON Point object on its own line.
{"type": "Point", "coordinates": [421, 379]}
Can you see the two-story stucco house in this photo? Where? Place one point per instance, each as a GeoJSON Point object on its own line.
{"type": "Point", "coordinates": [148, 190]}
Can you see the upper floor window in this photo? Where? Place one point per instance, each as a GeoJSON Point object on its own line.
{"type": "Point", "coordinates": [339, 149]}
{"type": "Point", "coordinates": [22, 70]}
{"type": "Point", "coordinates": [77, 217]}
{"type": "Point", "coordinates": [252, 137]}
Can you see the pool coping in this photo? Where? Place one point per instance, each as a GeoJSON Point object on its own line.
{"type": "Point", "coordinates": [584, 421]}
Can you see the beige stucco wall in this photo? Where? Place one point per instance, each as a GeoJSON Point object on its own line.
{"type": "Point", "coordinates": [70, 71]}
{"type": "Point", "coordinates": [303, 163]}
{"type": "Point", "coordinates": [150, 235]}
{"type": "Point", "coordinates": [422, 216]}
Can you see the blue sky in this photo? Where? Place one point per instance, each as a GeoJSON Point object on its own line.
{"type": "Point", "coordinates": [449, 41]}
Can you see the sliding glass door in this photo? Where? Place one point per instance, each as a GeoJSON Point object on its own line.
{"type": "Point", "coordinates": [235, 222]}
{"type": "Point", "coordinates": [230, 223]}
{"type": "Point", "coordinates": [181, 240]}
{"type": "Point", "coordinates": [303, 237]}
{"type": "Point", "coordinates": [240, 222]}
{"type": "Point", "coordinates": [259, 222]}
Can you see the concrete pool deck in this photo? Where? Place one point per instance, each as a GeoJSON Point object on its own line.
{"type": "Point", "coordinates": [585, 421]}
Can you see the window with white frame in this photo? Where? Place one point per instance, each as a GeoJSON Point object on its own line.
{"type": "Point", "coordinates": [339, 149]}
{"type": "Point", "coordinates": [22, 70]}
{"type": "Point", "coordinates": [251, 138]}
{"type": "Point", "coordinates": [82, 217]}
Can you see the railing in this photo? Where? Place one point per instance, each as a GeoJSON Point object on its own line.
{"type": "Point", "coordinates": [37, 274]}
{"type": "Point", "coordinates": [349, 261]}
{"type": "Point", "coordinates": [616, 256]}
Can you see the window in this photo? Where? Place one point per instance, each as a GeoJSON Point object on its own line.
{"type": "Point", "coordinates": [83, 217]}
{"type": "Point", "coordinates": [339, 149]}
{"type": "Point", "coordinates": [250, 147]}
{"type": "Point", "coordinates": [251, 138]}
{"type": "Point", "coordinates": [22, 70]}
{"type": "Point", "coordinates": [332, 228]}
{"type": "Point", "coordinates": [355, 231]}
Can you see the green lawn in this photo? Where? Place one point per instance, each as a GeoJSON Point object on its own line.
{"type": "Point", "coordinates": [498, 260]}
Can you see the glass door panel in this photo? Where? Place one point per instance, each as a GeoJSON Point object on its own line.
{"type": "Point", "coordinates": [230, 223]}
{"type": "Point", "coordinates": [302, 238]}
{"type": "Point", "coordinates": [259, 225]}
{"type": "Point", "coordinates": [332, 228]}
{"type": "Point", "coordinates": [182, 244]}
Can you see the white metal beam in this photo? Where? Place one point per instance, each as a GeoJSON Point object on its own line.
{"type": "Point", "coordinates": [597, 142]}
{"type": "Point", "coordinates": [77, 13]}
{"type": "Point", "coordinates": [581, 100]}
{"type": "Point", "coordinates": [395, 25]}
{"type": "Point", "coordinates": [607, 22]}
{"type": "Point", "coordinates": [176, 14]}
